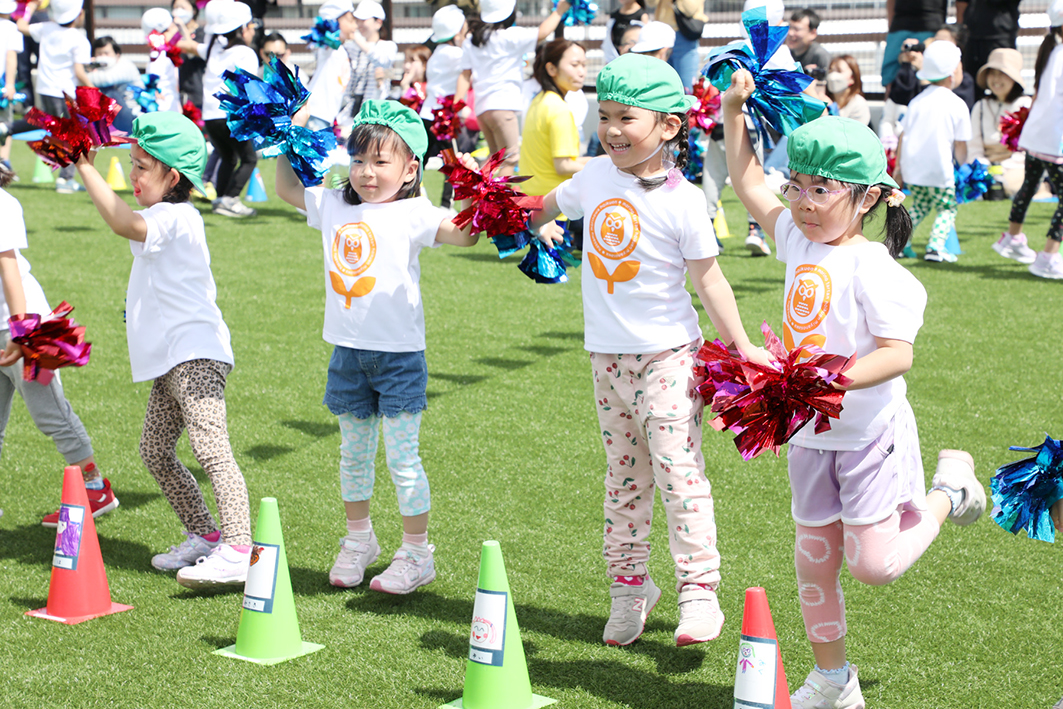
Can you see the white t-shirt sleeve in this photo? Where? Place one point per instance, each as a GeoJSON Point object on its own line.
{"type": "Point", "coordinates": [313, 198]}
{"type": "Point", "coordinates": [383, 54]}
{"type": "Point", "coordinates": [13, 236]}
{"type": "Point", "coordinates": [784, 231]}
{"type": "Point", "coordinates": [426, 225]}
{"type": "Point", "coordinates": [697, 239]}
{"type": "Point", "coordinates": [13, 40]}
{"type": "Point", "coordinates": [892, 298]}
{"type": "Point", "coordinates": [201, 50]}
{"type": "Point", "coordinates": [161, 220]}
{"type": "Point", "coordinates": [246, 59]}
{"type": "Point", "coordinates": [466, 56]}
{"type": "Point", "coordinates": [568, 197]}
{"type": "Point", "coordinates": [524, 39]}
{"type": "Point", "coordinates": [38, 30]}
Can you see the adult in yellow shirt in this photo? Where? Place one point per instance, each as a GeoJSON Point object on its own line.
{"type": "Point", "coordinates": [550, 146]}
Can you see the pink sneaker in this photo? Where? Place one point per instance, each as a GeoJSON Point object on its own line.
{"type": "Point", "coordinates": [411, 568]}
{"type": "Point", "coordinates": [1015, 248]}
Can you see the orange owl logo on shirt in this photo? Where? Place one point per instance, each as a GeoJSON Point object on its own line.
{"type": "Point", "coordinates": [614, 231]}
{"type": "Point", "coordinates": [353, 251]}
{"type": "Point", "coordinates": [807, 304]}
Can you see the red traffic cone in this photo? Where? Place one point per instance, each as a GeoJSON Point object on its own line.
{"type": "Point", "coordinates": [79, 589]}
{"type": "Point", "coordinates": [760, 680]}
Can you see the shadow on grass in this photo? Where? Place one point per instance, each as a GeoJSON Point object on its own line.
{"type": "Point", "coordinates": [503, 363]}
{"type": "Point", "coordinates": [217, 642]}
{"type": "Point", "coordinates": [1005, 271]}
{"type": "Point", "coordinates": [131, 501]}
{"type": "Point", "coordinates": [29, 604]}
{"type": "Point", "coordinates": [555, 335]}
{"type": "Point", "coordinates": [267, 452]}
{"type": "Point", "coordinates": [543, 350]}
{"type": "Point", "coordinates": [483, 258]}
{"type": "Point", "coordinates": [459, 379]}
{"type": "Point", "coordinates": [317, 429]}
{"type": "Point", "coordinates": [33, 545]}
{"type": "Point", "coordinates": [609, 679]}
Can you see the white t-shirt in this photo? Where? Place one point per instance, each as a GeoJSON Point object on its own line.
{"type": "Point", "coordinates": [169, 93]}
{"type": "Point", "coordinates": [935, 120]}
{"type": "Point", "coordinates": [60, 49]}
{"type": "Point", "coordinates": [13, 238]}
{"type": "Point", "coordinates": [441, 73]}
{"type": "Point", "coordinates": [10, 40]}
{"type": "Point", "coordinates": [1043, 130]}
{"type": "Point", "coordinates": [171, 313]}
{"type": "Point", "coordinates": [635, 248]}
{"type": "Point", "coordinates": [222, 59]}
{"type": "Point", "coordinates": [840, 298]}
{"type": "Point", "coordinates": [372, 272]}
{"type": "Point", "coordinates": [498, 67]}
{"type": "Point", "coordinates": [326, 88]}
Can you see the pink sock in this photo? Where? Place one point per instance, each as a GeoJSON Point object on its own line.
{"type": "Point", "coordinates": [417, 540]}
{"type": "Point", "coordinates": [359, 525]}
{"type": "Point", "coordinates": [213, 536]}
{"type": "Point", "coordinates": [242, 548]}
{"type": "Point", "coordinates": [631, 580]}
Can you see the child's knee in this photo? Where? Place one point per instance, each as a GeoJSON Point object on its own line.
{"type": "Point", "coordinates": [876, 571]}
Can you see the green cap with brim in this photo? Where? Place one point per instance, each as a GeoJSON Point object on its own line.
{"type": "Point", "coordinates": [644, 82]}
{"type": "Point", "coordinates": [173, 140]}
{"type": "Point", "coordinates": [398, 118]}
{"type": "Point", "coordinates": [839, 149]}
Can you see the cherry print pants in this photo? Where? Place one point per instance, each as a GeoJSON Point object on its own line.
{"type": "Point", "coordinates": [650, 415]}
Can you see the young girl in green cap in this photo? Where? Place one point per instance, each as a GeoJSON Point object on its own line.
{"type": "Point", "coordinates": [644, 229]}
{"type": "Point", "coordinates": [858, 487]}
{"type": "Point", "coordinates": [372, 231]}
{"type": "Point", "coordinates": [178, 339]}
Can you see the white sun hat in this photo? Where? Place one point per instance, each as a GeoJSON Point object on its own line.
{"type": "Point", "coordinates": [653, 36]}
{"type": "Point", "coordinates": [369, 10]}
{"type": "Point", "coordinates": [492, 11]}
{"type": "Point", "coordinates": [64, 11]}
{"type": "Point", "coordinates": [156, 19]}
{"type": "Point", "coordinates": [447, 22]}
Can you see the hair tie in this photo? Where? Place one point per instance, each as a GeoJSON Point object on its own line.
{"type": "Point", "coordinates": [895, 198]}
{"type": "Point", "coordinates": [675, 176]}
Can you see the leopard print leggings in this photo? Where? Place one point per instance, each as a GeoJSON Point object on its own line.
{"type": "Point", "coordinates": [192, 396]}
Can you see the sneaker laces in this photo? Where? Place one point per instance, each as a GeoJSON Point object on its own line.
{"type": "Point", "coordinates": [698, 609]}
{"type": "Point", "coordinates": [349, 555]}
{"type": "Point", "coordinates": [186, 545]}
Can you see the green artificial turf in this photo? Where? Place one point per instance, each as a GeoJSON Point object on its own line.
{"type": "Point", "coordinates": [510, 443]}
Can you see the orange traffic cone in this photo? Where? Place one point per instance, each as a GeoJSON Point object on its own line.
{"type": "Point", "coordinates": [760, 680]}
{"type": "Point", "coordinates": [79, 590]}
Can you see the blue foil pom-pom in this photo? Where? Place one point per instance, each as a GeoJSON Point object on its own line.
{"type": "Point", "coordinates": [581, 12]}
{"type": "Point", "coordinates": [144, 94]}
{"type": "Point", "coordinates": [324, 33]}
{"type": "Point", "coordinates": [972, 181]}
{"type": "Point", "coordinates": [542, 264]}
{"type": "Point", "coordinates": [1024, 491]}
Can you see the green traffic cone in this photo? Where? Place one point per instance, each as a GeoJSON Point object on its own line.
{"type": "Point", "coordinates": [269, 627]}
{"type": "Point", "coordinates": [42, 174]}
{"type": "Point", "coordinates": [496, 673]}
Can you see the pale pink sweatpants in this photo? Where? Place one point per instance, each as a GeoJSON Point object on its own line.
{"type": "Point", "coordinates": [875, 553]}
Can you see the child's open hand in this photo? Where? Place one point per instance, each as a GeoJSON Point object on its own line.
{"type": "Point", "coordinates": [468, 161]}
{"type": "Point", "coordinates": [1056, 511]}
{"type": "Point", "coordinates": [11, 354]}
{"type": "Point", "coordinates": [551, 234]}
{"type": "Point", "coordinates": [757, 355]}
{"type": "Point", "coordinates": [741, 89]}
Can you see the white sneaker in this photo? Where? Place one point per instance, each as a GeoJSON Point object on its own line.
{"type": "Point", "coordinates": [223, 566]}
{"type": "Point", "coordinates": [700, 617]}
{"type": "Point", "coordinates": [955, 470]}
{"type": "Point", "coordinates": [757, 242]}
{"type": "Point", "coordinates": [939, 256]}
{"type": "Point", "coordinates": [411, 568]}
{"type": "Point", "coordinates": [184, 554]}
{"type": "Point", "coordinates": [1047, 266]}
{"type": "Point", "coordinates": [818, 692]}
{"type": "Point", "coordinates": [232, 207]}
{"type": "Point", "coordinates": [357, 551]}
{"type": "Point", "coordinates": [1015, 248]}
{"type": "Point", "coordinates": [67, 186]}
{"type": "Point", "coordinates": [630, 607]}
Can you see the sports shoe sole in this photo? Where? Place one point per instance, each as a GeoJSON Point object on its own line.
{"type": "Point", "coordinates": [374, 585]}
{"type": "Point", "coordinates": [684, 639]}
{"type": "Point", "coordinates": [614, 643]}
{"type": "Point", "coordinates": [757, 248]}
{"type": "Point", "coordinates": [976, 506]}
{"type": "Point", "coordinates": [1008, 253]}
{"type": "Point", "coordinates": [113, 504]}
{"type": "Point", "coordinates": [1050, 275]}
{"type": "Point", "coordinates": [210, 583]}
{"type": "Point", "coordinates": [229, 213]}
{"type": "Point", "coordinates": [338, 583]}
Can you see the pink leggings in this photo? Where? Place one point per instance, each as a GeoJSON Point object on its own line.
{"type": "Point", "coordinates": [876, 554]}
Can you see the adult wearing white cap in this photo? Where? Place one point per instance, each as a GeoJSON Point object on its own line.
{"type": "Point", "coordinates": [158, 27]}
{"type": "Point", "coordinates": [230, 31]}
{"type": "Point", "coordinates": [371, 60]}
{"type": "Point", "coordinates": [493, 63]}
{"type": "Point", "coordinates": [61, 58]}
{"type": "Point", "coordinates": [656, 39]}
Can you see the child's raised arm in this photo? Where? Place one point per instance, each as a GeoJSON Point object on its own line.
{"type": "Point", "coordinates": [288, 186]}
{"type": "Point", "coordinates": [719, 302]}
{"type": "Point", "coordinates": [122, 220]}
{"type": "Point", "coordinates": [747, 175]}
{"type": "Point", "coordinates": [553, 20]}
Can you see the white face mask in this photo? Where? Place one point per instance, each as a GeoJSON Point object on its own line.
{"type": "Point", "coordinates": [104, 61]}
{"type": "Point", "coordinates": [837, 82]}
{"type": "Point", "coordinates": [182, 15]}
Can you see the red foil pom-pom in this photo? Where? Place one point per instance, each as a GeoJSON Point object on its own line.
{"type": "Point", "coordinates": [496, 207]}
{"type": "Point", "coordinates": [88, 127]}
{"type": "Point", "coordinates": [706, 113]}
{"type": "Point", "coordinates": [413, 96]}
{"type": "Point", "coordinates": [767, 405]}
{"type": "Point", "coordinates": [49, 343]}
{"type": "Point", "coordinates": [1011, 127]}
{"type": "Point", "coordinates": [445, 120]}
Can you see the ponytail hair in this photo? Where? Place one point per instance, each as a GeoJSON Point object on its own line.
{"type": "Point", "coordinates": [897, 231]}
{"type": "Point", "coordinates": [678, 148]}
{"type": "Point", "coordinates": [481, 31]}
{"type": "Point", "coordinates": [6, 175]}
{"type": "Point", "coordinates": [1047, 45]}
{"type": "Point", "coordinates": [232, 39]}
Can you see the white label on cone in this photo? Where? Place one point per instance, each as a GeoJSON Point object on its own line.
{"type": "Point", "coordinates": [261, 578]}
{"type": "Point", "coordinates": [487, 640]}
{"type": "Point", "coordinates": [756, 673]}
{"type": "Point", "coordinates": [68, 537]}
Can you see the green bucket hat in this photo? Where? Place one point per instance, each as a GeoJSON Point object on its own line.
{"type": "Point", "coordinates": [173, 140]}
{"type": "Point", "coordinates": [644, 82]}
{"type": "Point", "coordinates": [839, 149]}
{"type": "Point", "coordinates": [398, 118]}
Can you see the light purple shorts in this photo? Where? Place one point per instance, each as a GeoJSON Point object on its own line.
{"type": "Point", "coordinates": [859, 487]}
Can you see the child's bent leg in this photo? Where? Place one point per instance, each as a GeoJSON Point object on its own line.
{"type": "Point", "coordinates": [944, 199]}
{"type": "Point", "coordinates": [163, 424]}
{"type": "Point", "coordinates": [921, 204]}
{"type": "Point", "coordinates": [879, 553]}
{"type": "Point", "coordinates": [199, 389]}
{"type": "Point", "coordinates": [818, 562]}
{"type": "Point", "coordinates": [504, 130]}
{"type": "Point", "coordinates": [55, 418]}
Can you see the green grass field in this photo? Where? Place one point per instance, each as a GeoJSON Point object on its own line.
{"type": "Point", "coordinates": [510, 443]}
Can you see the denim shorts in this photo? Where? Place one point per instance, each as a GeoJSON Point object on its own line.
{"type": "Point", "coordinates": [367, 383]}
